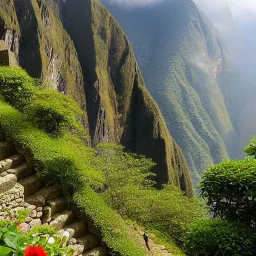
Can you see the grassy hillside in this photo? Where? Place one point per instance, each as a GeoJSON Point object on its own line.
{"type": "Point", "coordinates": [46, 128]}
{"type": "Point", "coordinates": [185, 67]}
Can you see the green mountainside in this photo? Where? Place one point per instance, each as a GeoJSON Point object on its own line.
{"type": "Point", "coordinates": [188, 72]}
{"type": "Point", "coordinates": [94, 64]}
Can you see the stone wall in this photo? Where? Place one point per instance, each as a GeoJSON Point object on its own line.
{"type": "Point", "coordinates": [4, 58]}
{"type": "Point", "coordinates": [21, 188]}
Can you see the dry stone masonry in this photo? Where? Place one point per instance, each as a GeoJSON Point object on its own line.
{"type": "Point", "coordinates": [7, 57]}
{"type": "Point", "coordinates": [21, 188]}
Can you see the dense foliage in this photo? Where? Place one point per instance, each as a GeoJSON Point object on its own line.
{"type": "Point", "coordinates": [47, 109]}
{"type": "Point", "coordinates": [251, 148]}
{"type": "Point", "coordinates": [64, 158]}
{"type": "Point", "coordinates": [129, 189]}
{"type": "Point", "coordinates": [216, 237]}
{"type": "Point", "coordinates": [230, 190]}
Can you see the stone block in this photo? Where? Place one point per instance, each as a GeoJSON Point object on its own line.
{"type": "Point", "coordinates": [7, 183]}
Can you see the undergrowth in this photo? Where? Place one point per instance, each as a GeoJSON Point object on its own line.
{"type": "Point", "coordinates": [58, 157]}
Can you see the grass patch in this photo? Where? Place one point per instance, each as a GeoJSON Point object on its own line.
{"type": "Point", "coordinates": [65, 159]}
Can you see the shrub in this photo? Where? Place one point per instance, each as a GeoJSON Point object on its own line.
{"type": "Point", "coordinates": [48, 118]}
{"type": "Point", "coordinates": [230, 190]}
{"type": "Point", "coordinates": [16, 86]}
{"type": "Point", "coordinates": [47, 109]}
{"type": "Point", "coordinates": [129, 190]}
{"type": "Point", "coordinates": [250, 150]}
{"type": "Point", "coordinates": [215, 237]}
{"type": "Point", "coordinates": [63, 169]}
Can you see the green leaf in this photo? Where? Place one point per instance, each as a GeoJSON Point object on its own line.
{"type": "Point", "coordinates": [4, 251]}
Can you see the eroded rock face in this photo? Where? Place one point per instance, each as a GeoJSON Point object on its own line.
{"type": "Point", "coordinates": [42, 46]}
{"type": "Point", "coordinates": [119, 107]}
{"type": "Point", "coordinates": [100, 72]}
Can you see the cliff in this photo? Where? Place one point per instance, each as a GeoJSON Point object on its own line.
{"type": "Point", "coordinates": [187, 70]}
{"type": "Point", "coordinates": [94, 63]}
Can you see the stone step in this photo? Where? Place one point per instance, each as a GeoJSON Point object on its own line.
{"type": "Point", "coordinates": [49, 193]}
{"type": "Point", "coordinates": [57, 204]}
{"type": "Point", "coordinates": [22, 171]}
{"type": "Point", "coordinates": [78, 249]}
{"type": "Point", "coordinates": [59, 220]}
{"type": "Point", "coordinates": [31, 184]}
{"type": "Point", "coordinates": [6, 149]}
{"type": "Point", "coordinates": [37, 200]}
{"type": "Point", "coordinates": [17, 160]}
{"type": "Point", "coordinates": [88, 241]}
{"type": "Point", "coordinates": [4, 166]}
{"type": "Point", "coordinates": [7, 183]}
{"type": "Point", "coordinates": [96, 251]}
{"type": "Point", "coordinates": [76, 229]}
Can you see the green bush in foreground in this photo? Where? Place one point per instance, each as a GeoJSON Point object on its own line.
{"type": "Point", "coordinates": [230, 190]}
{"type": "Point", "coordinates": [215, 237]}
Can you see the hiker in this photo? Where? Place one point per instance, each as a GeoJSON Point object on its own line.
{"type": "Point", "coordinates": [146, 238]}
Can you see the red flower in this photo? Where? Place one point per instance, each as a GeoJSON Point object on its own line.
{"type": "Point", "coordinates": [19, 225]}
{"type": "Point", "coordinates": [35, 251]}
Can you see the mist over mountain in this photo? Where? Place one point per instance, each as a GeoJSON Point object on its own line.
{"type": "Point", "coordinates": [236, 22]}
{"type": "Point", "coordinates": [188, 70]}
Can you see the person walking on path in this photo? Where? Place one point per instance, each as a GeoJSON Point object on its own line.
{"type": "Point", "coordinates": [146, 239]}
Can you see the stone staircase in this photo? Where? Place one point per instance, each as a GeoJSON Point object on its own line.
{"type": "Point", "coordinates": [21, 188]}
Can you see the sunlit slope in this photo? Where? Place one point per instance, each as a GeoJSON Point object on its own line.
{"type": "Point", "coordinates": [181, 59]}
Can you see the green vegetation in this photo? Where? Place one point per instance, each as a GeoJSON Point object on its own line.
{"type": "Point", "coordinates": [60, 153]}
{"type": "Point", "coordinates": [215, 237]}
{"type": "Point", "coordinates": [229, 191]}
{"type": "Point", "coordinates": [129, 190]}
{"type": "Point", "coordinates": [64, 157]}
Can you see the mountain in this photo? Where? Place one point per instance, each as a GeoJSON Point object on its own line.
{"type": "Point", "coordinates": [78, 48]}
{"type": "Point", "coordinates": [188, 71]}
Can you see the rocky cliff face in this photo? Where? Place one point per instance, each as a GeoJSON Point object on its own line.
{"type": "Point", "coordinates": [119, 107]}
{"type": "Point", "coordinates": [100, 66]}
{"type": "Point", "coordinates": [33, 31]}
{"type": "Point", "coordinates": [187, 71]}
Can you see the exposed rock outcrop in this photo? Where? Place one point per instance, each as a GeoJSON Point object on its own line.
{"type": "Point", "coordinates": [108, 85]}
{"type": "Point", "coordinates": [119, 107]}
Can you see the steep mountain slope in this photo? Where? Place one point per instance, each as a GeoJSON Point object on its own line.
{"type": "Point", "coordinates": [99, 66]}
{"type": "Point", "coordinates": [119, 107]}
{"type": "Point", "coordinates": [187, 71]}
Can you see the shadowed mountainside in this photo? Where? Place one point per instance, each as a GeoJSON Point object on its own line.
{"type": "Point", "coordinates": [188, 72]}
{"type": "Point", "coordinates": [93, 63]}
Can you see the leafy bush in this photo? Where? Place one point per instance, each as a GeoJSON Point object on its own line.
{"type": "Point", "coordinates": [129, 190]}
{"type": "Point", "coordinates": [63, 169]}
{"type": "Point", "coordinates": [47, 109]}
{"type": "Point", "coordinates": [251, 148]}
{"type": "Point", "coordinates": [48, 118]}
{"type": "Point", "coordinates": [230, 190]}
{"type": "Point", "coordinates": [16, 86]}
{"type": "Point", "coordinates": [215, 237]}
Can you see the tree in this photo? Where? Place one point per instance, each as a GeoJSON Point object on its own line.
{"type": "Point", "coordinates": [216, 237]}
{"type": "Point", "coordinates": [124, 172]}
{"type": "Point", "coordinates": [230, 190]}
